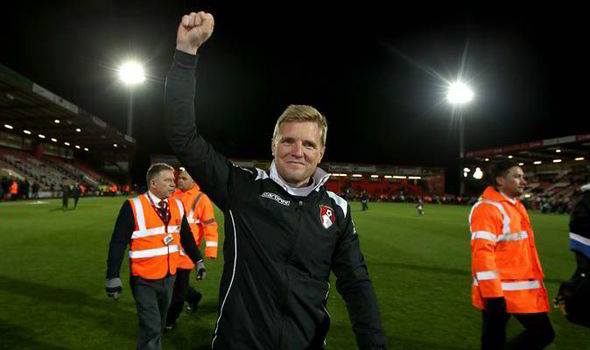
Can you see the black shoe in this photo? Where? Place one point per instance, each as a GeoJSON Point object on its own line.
{"type": "Point", "coordinates": [169, 327]}
{"type": "Point", "coordinates": [193, 305]}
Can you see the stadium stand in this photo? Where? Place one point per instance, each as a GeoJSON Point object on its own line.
{"type": "Point", "coordinates": [46, 140]}
{"type": "Point", "coordinates": [555, 169]}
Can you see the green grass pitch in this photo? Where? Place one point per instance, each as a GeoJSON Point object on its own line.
{"type": "Point", "coordinates": [52, 268]}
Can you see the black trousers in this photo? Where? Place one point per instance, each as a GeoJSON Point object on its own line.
{"type": "Point", "coordinates": [537, 334]}
{"type": "Point", "coordinates": [152, 298]}
{"type": "Point", "coordinates": [182, 292]}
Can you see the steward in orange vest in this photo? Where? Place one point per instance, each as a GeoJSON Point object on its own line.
{"type": "Point", "coordinates": [201, 218]}
{"type": "Point", "coordinates": [154, 226]}
{"type": "Point", "coordinates": [507, 274]}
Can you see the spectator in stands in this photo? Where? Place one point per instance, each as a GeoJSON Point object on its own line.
{"type": "Point", "coordinates": [25, 189]}
{"type": "Point", "coordinates": [14, 190]}
{"type": "Point", "coordinates": [76, 194]}
{"type": "Point", "coordinates": [65, 195]}
{"type": "Point", "coordinates": [35, 188]}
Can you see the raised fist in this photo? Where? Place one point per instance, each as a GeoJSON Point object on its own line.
{"type": "Point", "coordinates": [194, 29]}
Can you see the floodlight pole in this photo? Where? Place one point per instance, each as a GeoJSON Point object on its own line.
{"type": "Point", "coordinates": [461, 154]}
{"type": "Point", "coordinates": [130, 113]}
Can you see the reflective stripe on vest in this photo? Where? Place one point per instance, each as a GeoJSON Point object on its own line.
{"type": "Point", "coordinates": [506, 235]}
{"type": "Point", "coordinates": [154, 231]}
{"type": "Point", "coordinates": [513, 286]}
{"type": "Point", "coordinates": [210, 244]}
{"type": "Point", "coordinates": [150, 253]}
{"type": "Point", "coordinates": [486, 275]}
{"type": "Point", "coordinates": [505, 217]}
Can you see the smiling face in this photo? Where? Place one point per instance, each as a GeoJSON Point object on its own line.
{"type": "Point", "coordinates": [297, 149]}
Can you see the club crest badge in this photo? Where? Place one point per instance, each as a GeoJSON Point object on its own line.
{"type": "Point", "coordinates": [327, 216]}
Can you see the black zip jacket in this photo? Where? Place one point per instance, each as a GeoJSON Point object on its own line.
{"type": "Point", "coordinates": [280, 244]}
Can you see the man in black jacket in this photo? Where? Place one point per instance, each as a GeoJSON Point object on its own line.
{"type": "Point", "coordinates": [574, 295]}
{"type": "Point", "coordinates": [284, 232]}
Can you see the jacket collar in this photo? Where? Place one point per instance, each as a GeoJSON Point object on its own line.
{"type": "Point", "coordinates": [585, 188]}
{"type": "Point", "coordinates": [319, 178]}
{"type": "Point", "coordinates": [491, 194]}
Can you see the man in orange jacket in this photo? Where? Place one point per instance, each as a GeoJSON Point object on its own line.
{"type": "Point", "coordinates": [507, 274]}
{"type": "Point", "coordinates": [201, 218]}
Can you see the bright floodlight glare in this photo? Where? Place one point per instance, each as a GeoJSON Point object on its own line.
{"type": "Point", "coordinates": [459, 93]}
{"type": "Point", "coordinates": [478, 174]}
{"type": "Point", "coordinates": [131, 73]}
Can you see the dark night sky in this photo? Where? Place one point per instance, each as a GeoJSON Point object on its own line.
{"type": "Point", "coordinates": [369, 68]}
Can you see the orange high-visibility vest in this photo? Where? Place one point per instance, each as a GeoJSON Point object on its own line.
{"type": "Point", "coordinates": [503, 255]}
{"type": "Point", "coordinates": [201, 218]}
{"type": "Point", "coordinates": [149, 256]}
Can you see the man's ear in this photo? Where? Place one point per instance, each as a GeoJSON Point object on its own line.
{"type": "Point", "coordinates": [273, 147]}
{"type": "Point", "coordinates": [322, 151]}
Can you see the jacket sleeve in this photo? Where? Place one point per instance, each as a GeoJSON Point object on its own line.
{"type": "Point", "coordinates": [187, 240]}
{"type": "Point", "coordinates": [580, 227]}
{"type": "Point", "coordinates": [120, 239]}
{"type": "Point", "coordinates": [209, 168]}
{"type": "Point", "coordinates": [485, 226]}
{"type": "Point", "coordinates": [353, 283]}
{"type": "Point", "coordinates": [209, 226]}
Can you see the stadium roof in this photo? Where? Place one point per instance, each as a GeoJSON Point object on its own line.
{"type": "Point", "coordinates": [555, 150]}
{"type": "Point", "coordinates": [25, 105]}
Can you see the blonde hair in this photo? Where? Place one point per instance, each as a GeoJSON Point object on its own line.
{"type": "Point", "coordinates": [302, 113]}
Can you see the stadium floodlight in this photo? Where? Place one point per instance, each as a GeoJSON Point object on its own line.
{"type": "Point", "coordinates": [357, 175]}
{"type": "Point", "coordinates": [131, 73]}
{"type": "Point", "coordinates": [115, 145]}
{"type": "Point", "coordinates": [537, 162]}
{"type": "Point", "coordinates": [510, 157]}
{"type": "Point", "coordinates": [53, 139]}
{"type": "Point", "coordinates": [86, 149]}
{"type": "Point", "coordinates": [558, 151]}
{"type": "Point", "coordinates": [27, 132]}
{"type": "Point", "coordinates": [579, 158]}
{"type": "Point", "coordinates": [66, 143]}
{"type": "Point", "coordinates": [478, 174]}
{"type": "Point", "coordinates": [56, 121]}
{"type": "Point", "coordinates": [8, 126]}
{"type": "Point", "coordinates": [41, 136]}
{"type": "Point", "coordinates": [414, 177]}
{"type": "Point", "coordinates": [387, 176]}
{"type": "Point", "coordinates": [466, 170]}
{"type": "Point", "coordinates": [77, 146]}
{"type": "Point", "coordinates": [487, 159]}
{"type": "Point", "coordinates": [374, 176]}
{"type": "Point", "coordinates": [520, 164]}
{"type": "Point", "coordinates": [459, 93]}
{"type": "Point", "coordinates": [78, 130]}
{"type": "Point", "coordinates": [556, 160]}
{"type": "Point", "coordinates": [399, 177]}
